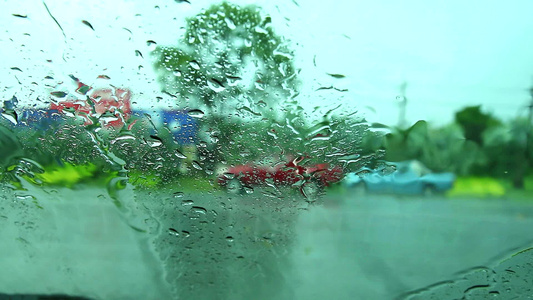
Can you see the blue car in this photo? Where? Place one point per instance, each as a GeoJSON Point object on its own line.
{"type": "Point", "coordinates": [408, 178]}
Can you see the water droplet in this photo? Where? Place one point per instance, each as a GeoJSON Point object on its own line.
{"type": "Point", "coordinates": [230, 239]}
{"type": "Point", "coordinates": [155, 141]}
{"type": "Point", "coordinates": [199, 210]}
{"type": "Point", "coordinates": [58, 94]}
{"type": "Point", "coordinates": [25, 197]}
{"type": "Point", "coordinates": [151, 45]}
{"type": "Point", "coordinates": [283, 54]}
{"type": "Point", "coordinates": [194, 64]}
{"type": "Point", "coordinates": [233, 80]}
{"type": "Point", "coordinates": [173, 232]}
{"type": "Point", "coordinates": [177, 73]}
{"type": "Point", "coordinates": [11, 115]}
{"type": "Point", "coordinates": [215, 85]}
{"type": "Point", "coordinates": [337, 76]}
{"type": "Point", "coordinates": [178, 194]}
{"type": "Point", "coordinates": [260, 30]}
{"type": "Point", "coordinates": [320, 137]}
{"type": "Point", "coordinates": [187, 203]}
{"type": "Point", "coordinates": [88, 24]}
{"type": "Point", "coordinates": [196, 165]}
{"type": "Point", "coordinates": [248, 110]}
{"type": "Point", "coordinates": [229, 175]}
{"type": "Point", "coordinates": [180, 155]}
{"type": "Point", "coordinates": [230, 23]}
{"type": "Point", "coordinates": [123, 137]}
{"type": "Point", "coordinates": [196, 113]}
{"type": "Point", "coordinates": [259, 85]}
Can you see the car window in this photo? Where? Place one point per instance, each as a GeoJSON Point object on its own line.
{"type": "Point", "coordinates": [244, 149]}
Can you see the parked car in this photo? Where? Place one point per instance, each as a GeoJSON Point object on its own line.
{"type": "Point", "coordinates": [409, 177]}
{"type": "Point", "coordinates": [309, 178]}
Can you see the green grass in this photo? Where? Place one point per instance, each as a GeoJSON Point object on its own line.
{"type": "Point", "coordinates": [180, 184]}
{"type": "Point", "coordinates": [190, 184]}
{"type": "Point", "coordinates": [525, 194]}
{"type": "Point", "coordinates": [488, 187]}
{"type": "Point", "coordinates": [477, 187]}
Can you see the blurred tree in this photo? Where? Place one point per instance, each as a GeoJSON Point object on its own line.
{"type": "Point", "coordinates": [229, 59]}
{"type": "Point", "coordinates": [508, 155]}
{"type": "Point", "coordinates": [406, 144]}
{"type": "Point", "coordinates": [440, 149]}
{"type": "Point", "coordinates": [474, 123]}
{"type": "Point", "coordinates": [9, 146]}
{"type": "Point", "coordinates": [446, 149]}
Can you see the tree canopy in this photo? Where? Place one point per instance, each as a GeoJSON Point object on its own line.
{"type": "Point", "coordinates": [475, 122]}
{"type": "Point", "coordinates": [228, 59]}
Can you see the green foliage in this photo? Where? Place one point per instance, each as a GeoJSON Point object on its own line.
{"type": "Point", "coordinates": [406, 144]}
{"type": "Point", "coordinates": [477, 145]}
{"type": "Point", "coordinates": [10, 147]}
{"type": "Point", "coordinates": [440, 149]}
{"type": "Point", "coordinates": [229, 57]}
{"type": "Point", "coordinates": [507, 152]}
{"type": "Point", "coordinates": [67, 152]}
{"type": "Point", "coordinates": [474, 123]}
{"type": "Point", "coordinates": [334, 139]}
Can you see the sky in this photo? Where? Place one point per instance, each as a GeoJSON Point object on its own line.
{"type": "Point", "coordinates": [450, 53]}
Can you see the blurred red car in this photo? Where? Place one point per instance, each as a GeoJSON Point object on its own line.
{"type": "Point", "coordinates": [114, 104]}
{"type": "Point", "coordinates": [284, 174]}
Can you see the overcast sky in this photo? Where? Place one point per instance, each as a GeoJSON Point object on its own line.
{"type": "Point", "coordinates": [451, 53]}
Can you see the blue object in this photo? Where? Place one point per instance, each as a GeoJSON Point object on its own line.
{"type": "Point", "coordinates": [183, 127]}
{"type": "Point", "coordinates": [39, 119]}
{"type": "Point", "coordinates": [409, 177]}
{"type": "Point", "coordinates": [11, 104]}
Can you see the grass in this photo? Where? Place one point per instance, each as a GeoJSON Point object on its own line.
{"type": "Point", "coordinates": [525, 194]}
{"type": "Point", "coordinates": [488, 187]}
{"type": "Point", "coordinates": [477, 187]}
{"type": "Point", "coordinates": [182, 183]}
{"type": "Point", "coordinates": [69, 176]}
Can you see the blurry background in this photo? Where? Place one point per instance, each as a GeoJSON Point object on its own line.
{"type": "Point", "coordinates": [450, 53]}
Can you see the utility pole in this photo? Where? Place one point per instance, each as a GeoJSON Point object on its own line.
{"type": "Point", "coordinates": [402, 102]}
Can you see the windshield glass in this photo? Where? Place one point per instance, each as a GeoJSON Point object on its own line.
{"type": "Point", "coordinates": [266, 150]}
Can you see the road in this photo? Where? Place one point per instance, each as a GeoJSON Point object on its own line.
{"type": "Point", "coordinates": [383, 247]}
{"type": "Point", "coordinates": [254, 246]}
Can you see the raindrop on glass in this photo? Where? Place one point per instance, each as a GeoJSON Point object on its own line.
{"type": "Point", "coordinates": [196, 113]}
{"type": "Point", "coordinates": [173, 232]}
{"type": "Point", "coordinates": [194, 64]}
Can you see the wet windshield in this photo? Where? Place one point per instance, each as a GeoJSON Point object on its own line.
{"type": "Point", "coordinates": [282, 150]}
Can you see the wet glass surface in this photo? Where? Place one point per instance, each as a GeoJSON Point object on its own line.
{"type": "Point", "coordinates": [281, 150]}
